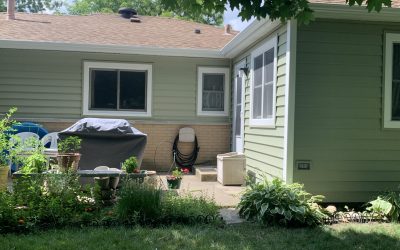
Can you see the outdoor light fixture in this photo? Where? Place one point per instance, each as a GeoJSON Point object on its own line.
{"type": "Point", "coordinates": [245, 70]}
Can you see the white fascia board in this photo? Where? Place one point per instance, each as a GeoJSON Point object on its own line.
{"type": "Point", "coordinates": [118, 49]}
{"type": "Point", "coordinates": [255, 31]}
{"type": "Point", "coordinates": [360, 13]}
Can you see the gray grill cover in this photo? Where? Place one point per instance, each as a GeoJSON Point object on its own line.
{"type": "Point", "coordinates": [106, 142]}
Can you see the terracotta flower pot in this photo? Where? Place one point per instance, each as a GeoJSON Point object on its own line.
{"type": "Point", "coordinates": [68, 162]}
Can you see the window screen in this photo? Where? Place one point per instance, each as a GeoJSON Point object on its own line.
{"type": "Point", "coordinates": [396, 83]}
{"type": "Point", "coordinates": [118, 90]}
{"type": "Point", "coordinates": [213, 92]}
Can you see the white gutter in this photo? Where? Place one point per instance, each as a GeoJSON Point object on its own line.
{"type": "Point", "coordinates": [119, 49]}
{"type": "Point", "coordinates": [252, 33]}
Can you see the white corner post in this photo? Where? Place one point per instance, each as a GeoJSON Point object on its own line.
{"type": "Point", "coordinates": [290, 84]}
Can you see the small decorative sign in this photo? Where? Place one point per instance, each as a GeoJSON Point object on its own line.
{"type": "Point", "coordinates": [303, 165]}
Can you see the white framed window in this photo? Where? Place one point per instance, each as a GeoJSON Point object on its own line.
{"type": "Point", "coordinates": [213, 91]}
{"type": "Point", "coordinates": [117, 89]}
{"type": "Point", "coordinates": [263, 84]}
{"type": "Point", "coordinates": [392, 81]}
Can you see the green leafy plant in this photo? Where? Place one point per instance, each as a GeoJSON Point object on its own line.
{"type": "Point", "coordinates": [138, 201]}
{"type": "Point", "coordinates": [69, 145]}
{"type": "Point", "coordinates": [130, 165]}
{"type": "Point", "coordinates": [29, 154]}
{"type": "Point", "coordinates": [185, 206]}
{"type": "Point", "coordinates": [6, 124]}
{"type": "Point", "coordinates": [387, 205]}
{"type": "Point", "coordinates": [274, 202]}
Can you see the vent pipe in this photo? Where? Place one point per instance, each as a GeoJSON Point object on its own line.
{"type": "Point", "coordinates": [10, 9]}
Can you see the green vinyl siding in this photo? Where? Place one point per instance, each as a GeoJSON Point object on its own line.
{"type": "Point", "coordinates": [264, 146]}
{"type": "Point", "coordinates": [338, 115]}
{"type": "Point", "coordinates": [48, 84]}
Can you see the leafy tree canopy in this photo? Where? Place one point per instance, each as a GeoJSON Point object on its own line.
{"type": "Point", "coordinates": [149, 8]}
{"type": "Point", "coordinates": [32, 5]}
{"type": "Point", "coordinates": [274, 9]}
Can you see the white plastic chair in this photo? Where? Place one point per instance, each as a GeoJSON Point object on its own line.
{"type": "Point", "coordinates": [52, 139]}
{"type": "Point", "coordinates": [24, 136]}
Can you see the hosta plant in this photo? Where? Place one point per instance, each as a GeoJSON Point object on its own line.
{"type": "Point", "coordinates": [387, 205]}
{"type": "Point", "coordinates": [277, 203]}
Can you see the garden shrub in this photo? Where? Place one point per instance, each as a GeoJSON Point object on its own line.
{"type": "Point", "coordinates": [186, 206]}
{"type": "Point", "coordinates": [51, 199]}
{"type": "Point", "coordinates": [138, 201]}
{"type": "Point", "coordinates": [274, 202]}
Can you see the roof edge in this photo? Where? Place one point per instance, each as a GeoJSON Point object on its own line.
{"type": "Point", "coordinates": [252, 33]}
{"type": "Point", "coordinates": [117, 49]}
{"type": "Point", "coordinates": [260, 28]}
{"type": "Point", "coordinates": [358, 13]}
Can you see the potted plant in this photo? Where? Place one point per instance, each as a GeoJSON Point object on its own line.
{"type": "Point", "coordinates": [175, 178]}
{"type": "Point", "coordinates": [131, 165]}
{"type": "Point", "coordinates": [5, 126]}
{"type": "Point", "coordinates": [68, 153]}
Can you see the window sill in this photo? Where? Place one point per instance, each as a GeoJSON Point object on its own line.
{"type": "Point", "coordinates": [262, 123]}
{"type": "Point", "coordinates": [211, 113]}
{"type": "Point", "coordinates": [391, 124]}
{"type": "Point", "coordinates": [116, 113]}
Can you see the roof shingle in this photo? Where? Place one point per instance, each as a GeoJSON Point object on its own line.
{"type": "Point", "coordinates": [111, 29]}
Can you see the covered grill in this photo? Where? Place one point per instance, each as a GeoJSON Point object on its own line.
{"type": "Point", "coordinates": [106, 142]}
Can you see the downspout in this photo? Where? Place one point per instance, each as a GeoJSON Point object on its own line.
{"type": "Point", "coordinates": [11, 10]}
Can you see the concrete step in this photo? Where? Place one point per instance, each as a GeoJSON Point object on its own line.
{"type": "Point", "coordinates": [206, 173]}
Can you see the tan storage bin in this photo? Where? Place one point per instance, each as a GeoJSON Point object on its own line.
{"type": "Point", "coordinates": [231, 169]}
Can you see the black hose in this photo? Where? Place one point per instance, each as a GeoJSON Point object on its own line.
{"type": "Point", "coordinates": [185, 160]}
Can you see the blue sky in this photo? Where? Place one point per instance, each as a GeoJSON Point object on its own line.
{"type": "Point", "coordinates": [231, 17]}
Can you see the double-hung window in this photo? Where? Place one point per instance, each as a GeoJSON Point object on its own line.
{"type": "Point", "coordinates": [213, 91]}
{"type": "Point", "coordinates": [392, 81]}
{"type": "Point", "coordinates": [117, 89]}
{"type": "Point", "coordinates": [263, 84]}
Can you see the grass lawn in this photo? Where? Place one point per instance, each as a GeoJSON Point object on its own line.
{"type": "Point", "coordinates": [244, 236]}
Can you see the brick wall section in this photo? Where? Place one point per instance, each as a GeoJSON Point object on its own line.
{"type": "Point", "coordinates": [212, 140]}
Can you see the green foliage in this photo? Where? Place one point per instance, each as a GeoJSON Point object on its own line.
{"type": "Point", "coordinates": [130, 164]}
{"type": "Point", "coordinates": [6, 124]}
{"type": "Point", "coordinates": [8, 215]}
{"type": "Point", "coordinates": [177, 173]}
{"type": "Point", "coordinates": [29, 154]}
{"type": "Point", "coordinates": [146, 8]}
{"type": "Point", "coordinates": [387, 205]}
{"type": "Point", "coordinates": [33, 5]}
{"type": "Point", "coordinates": [51, 199]}
{"type": "Point", "coordinates": [280, 204]}
{"type": "Point", "coordinates": [138, 201]}
{"type": "Point", "coordinates": [71, 144]}
{"type": "Point", "coordinates": [275, 9]}
{"type": "Point", "coordinates": [186, 206]}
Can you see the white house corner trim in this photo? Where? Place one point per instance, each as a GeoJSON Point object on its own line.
{"type": "Point", "coordinates": [288, 154]}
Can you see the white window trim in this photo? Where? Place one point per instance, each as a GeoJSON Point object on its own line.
{"type": "Point", "coordinates": [121, 66]}
{"type": "Point", "coordinates": [390, 39]}
{"type": "Point", "coordinates": [211, 70]}
{"type": "Point", "coordinates": [270, 122]}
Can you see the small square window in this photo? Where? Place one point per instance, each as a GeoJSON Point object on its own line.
{"type": "Point", "coordinates": [212, 91]}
